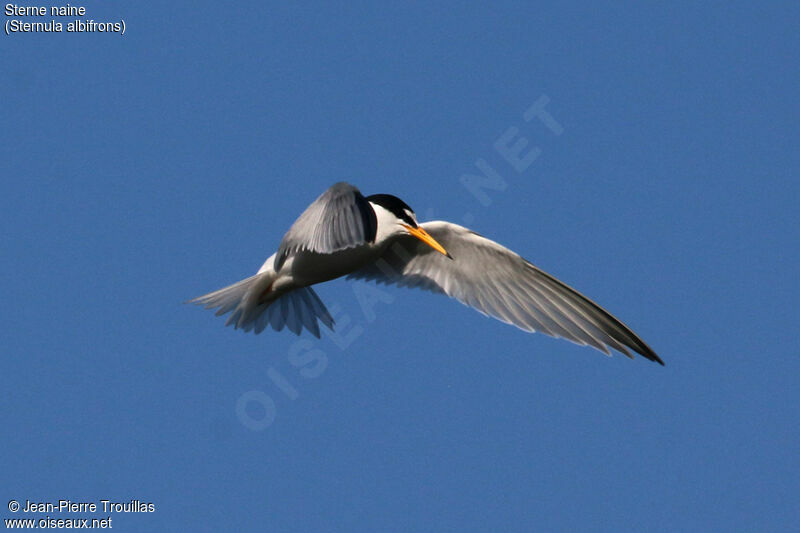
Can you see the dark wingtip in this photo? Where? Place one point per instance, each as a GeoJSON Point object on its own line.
{"type": "Point", "coordinates": [648, 353]}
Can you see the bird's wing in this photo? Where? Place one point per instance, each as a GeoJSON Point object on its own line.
{"type": "Point", "coordinates": [340, 218]}
{"type": "Point", "coordinates": [500, 283]}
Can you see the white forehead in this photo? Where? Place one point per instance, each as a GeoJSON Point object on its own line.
{"type": "Point", "coordinates": [388, 223]}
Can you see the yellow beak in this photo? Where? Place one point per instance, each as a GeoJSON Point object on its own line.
{"type": "Point", "coordinates": [423, 235]}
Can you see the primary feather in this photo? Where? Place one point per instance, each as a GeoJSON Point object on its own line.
{"type": "Point", "coordinates": [499, 283]}
{"type": "Point", "coordinates": [339, 219]}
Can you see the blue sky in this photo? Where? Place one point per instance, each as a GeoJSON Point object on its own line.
{"type": "Point", "coordinates": [145, 169]}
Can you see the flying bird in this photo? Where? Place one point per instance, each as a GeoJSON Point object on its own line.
{"type": "Point", "coordinates": [378, 238]}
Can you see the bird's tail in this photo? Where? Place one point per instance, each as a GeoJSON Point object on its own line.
{"type": "Point", "coordinates": [252, 309]}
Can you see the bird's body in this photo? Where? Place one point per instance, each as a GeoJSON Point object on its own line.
{"type": "Point", "coordinates": [378, 238]}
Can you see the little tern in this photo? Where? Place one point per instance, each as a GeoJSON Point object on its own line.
{"type": "Point", "coordinates": [378, 238]}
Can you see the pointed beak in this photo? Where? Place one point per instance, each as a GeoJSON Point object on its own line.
{"type": "Point", "coordinates": [423, 235]}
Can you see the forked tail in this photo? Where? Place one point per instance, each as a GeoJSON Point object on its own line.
{"type": "Point", "coordinates": [252, 311]}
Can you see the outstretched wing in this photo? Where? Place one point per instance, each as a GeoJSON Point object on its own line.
{"type": "Point", "coordinates": [340, 218]}
{"type": "Point", "coordinates": [500, 283]}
